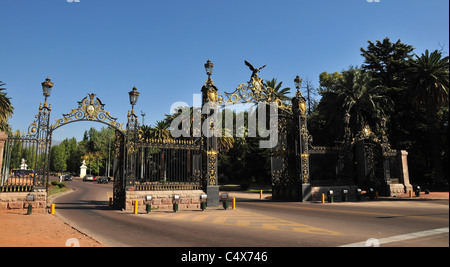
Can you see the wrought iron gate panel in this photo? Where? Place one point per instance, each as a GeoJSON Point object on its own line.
{"type": "Point", "coordinates": [165, 165]}
{"type": "Point", "coordinates": [25, 164]}
{"type": "Point", "coordinates": [373, 161]}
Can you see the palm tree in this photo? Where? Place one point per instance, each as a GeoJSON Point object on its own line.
{"type": "Point", "coordinates": [145, 133]}
{"type": "Point", "coordinates": [6, 109]}
{"type": "Point", "coordinates": [362, 98]}
{"type": "Point", "coordinates": [428, 87]}
{"type": "Point", "coordinates": [161, 130]}
{"type": "Point", "coordinates": [355, 92]}
{"type": "Point", "coordinates": [276, 92]}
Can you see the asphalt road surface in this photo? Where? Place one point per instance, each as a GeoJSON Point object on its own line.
{"type": "Point", "coordinates": [259, 223]}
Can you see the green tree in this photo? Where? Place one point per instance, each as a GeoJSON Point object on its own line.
{"type": "Point", "coordinates": [277, 92]}
{"type": "Point", "coordinates": [362, 98]}
{"type": "Point", "coordinates": [58, 158]}
{"type": "Point", "coordinates": [355, 92]}
{"type": "Point", "coordinates": [428, 88]}
{"type": "Point", "coordinates": [161, 130]}
{"type": "Point", "coordinates": [72, 155]}
{"type": "Point", "coordinates": [145, 132]}
{"type": "Point", "coordinates": [6, 109]}
{"type": "Point", "coordinates": [388, 62]}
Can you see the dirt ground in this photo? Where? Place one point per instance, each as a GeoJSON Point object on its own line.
{"type": "Point", "coordinates": [39, 230]}
{"type": "Point", "coordinates": [44, 230]}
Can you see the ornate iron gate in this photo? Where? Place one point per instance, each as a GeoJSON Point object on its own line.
{"type": "Point", "coordinates": [33, 148]}
{"type": "Point", "coordinates": [33, 151]}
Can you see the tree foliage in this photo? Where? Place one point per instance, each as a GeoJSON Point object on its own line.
{"type": "Point", "coordinates": [95, 149]}
{"type": "Point", "coordinates": [6, 108]}
{"type": "Point", "coordinates": [410, 92]}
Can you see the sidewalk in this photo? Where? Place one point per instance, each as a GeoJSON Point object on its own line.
{"type": "Point", "coordinates": [39, 230]}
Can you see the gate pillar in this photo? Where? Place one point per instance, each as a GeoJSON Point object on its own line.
{"type": "Point", "coordinates": [210, 154]}
{"type": "Point", "coordinates": [301, 145]}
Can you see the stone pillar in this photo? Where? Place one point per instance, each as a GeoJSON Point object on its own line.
{"type": "Point", "coordinates": [403, 167]}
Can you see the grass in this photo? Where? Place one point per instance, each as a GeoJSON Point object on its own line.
{"type": "Point", "coordinates": [56, 188]}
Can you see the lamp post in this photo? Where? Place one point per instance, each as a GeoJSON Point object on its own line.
{"type": "Point", "coordinates": [40, 128]}
{"type": "Point", "coordinates": [209, 66]}
{"type": "Point", "coordinates": [298, 82]}
{"type": "Point", "coordinates": [47, 86]}
{"type": "Point", "coordinates": [134, 96]}
{"type": "Point", "coordinates": [132, 139]}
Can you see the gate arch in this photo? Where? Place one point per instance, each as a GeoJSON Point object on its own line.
{"type": "Point", "coordinates": [289, 152]}
{"type": "Point", "coordinates": [37, 142]}
{"type": "Point", "coordinates": [92, 109]}
{"type": "Point", "coordinates": [89, 109]}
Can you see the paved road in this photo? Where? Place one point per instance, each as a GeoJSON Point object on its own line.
{"type": "Point", "coordinates": [258, 223]}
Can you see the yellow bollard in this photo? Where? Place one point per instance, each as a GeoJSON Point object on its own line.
{"type": "Point", "coordinates": [376, 195]}
{"type": "Point", "coordinates": [53, 210]}
{"type": "Point", "coordinates": [135, 207]}
{"type": "Point", "coordinates": [260, 195]}
{"type": "Point", "coordinates": [233, 203]}
{"type": "Point", "coordinates": [323, 198]}
{"type": "Point", "coordinates": [410, 193]}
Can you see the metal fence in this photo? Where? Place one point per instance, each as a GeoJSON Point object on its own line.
{"type": "Point", "coordinates": [167, 165]}
{"type": "Point", "coordinates": [330, 166]}
{"type": "Point", "coordinates": [23, 167]}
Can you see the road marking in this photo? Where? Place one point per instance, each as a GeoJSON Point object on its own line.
{"type": "Point", "coordinates": [353, 212]}
{"type": "Point", "coordinates": [246, 219]}
{"type": "Point", "coordinates": [377, 242]}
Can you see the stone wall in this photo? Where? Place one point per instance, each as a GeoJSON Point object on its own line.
{"type": "Point", "coordinates": [162, 200]}
{"type": "Point", "coordinates": [398, 189]}
{"type": "Point", "coordinates": [21, 200]}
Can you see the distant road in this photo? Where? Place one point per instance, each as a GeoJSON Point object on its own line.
{"type": "Point", "coordinates": [258, 223]}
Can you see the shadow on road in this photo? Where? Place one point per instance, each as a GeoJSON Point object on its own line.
{"type": "Point", "coordinates": [84, 204]}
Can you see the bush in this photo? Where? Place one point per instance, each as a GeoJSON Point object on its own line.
{"type": "Point", "coordinates": [58, 184]}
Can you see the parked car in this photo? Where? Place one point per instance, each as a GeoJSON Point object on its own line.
{"type": "Point", "coordinates": [102, 180]}
{"type": "Point", "coordinates": [88, 178]}
{"type": "Point", "coordinates": [68, 177]}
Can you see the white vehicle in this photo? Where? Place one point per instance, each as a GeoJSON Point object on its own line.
{"type": "Point", "coordinates": [88, 178]}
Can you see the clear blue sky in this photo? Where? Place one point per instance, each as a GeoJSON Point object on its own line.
{"type": "Point", "coordinates": [108, 46]}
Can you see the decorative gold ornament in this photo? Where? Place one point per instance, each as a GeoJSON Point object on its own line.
{"type": "Point", "coordinates": [90, 109]}
{"type": "Point", "coordinates": [212, 95]}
